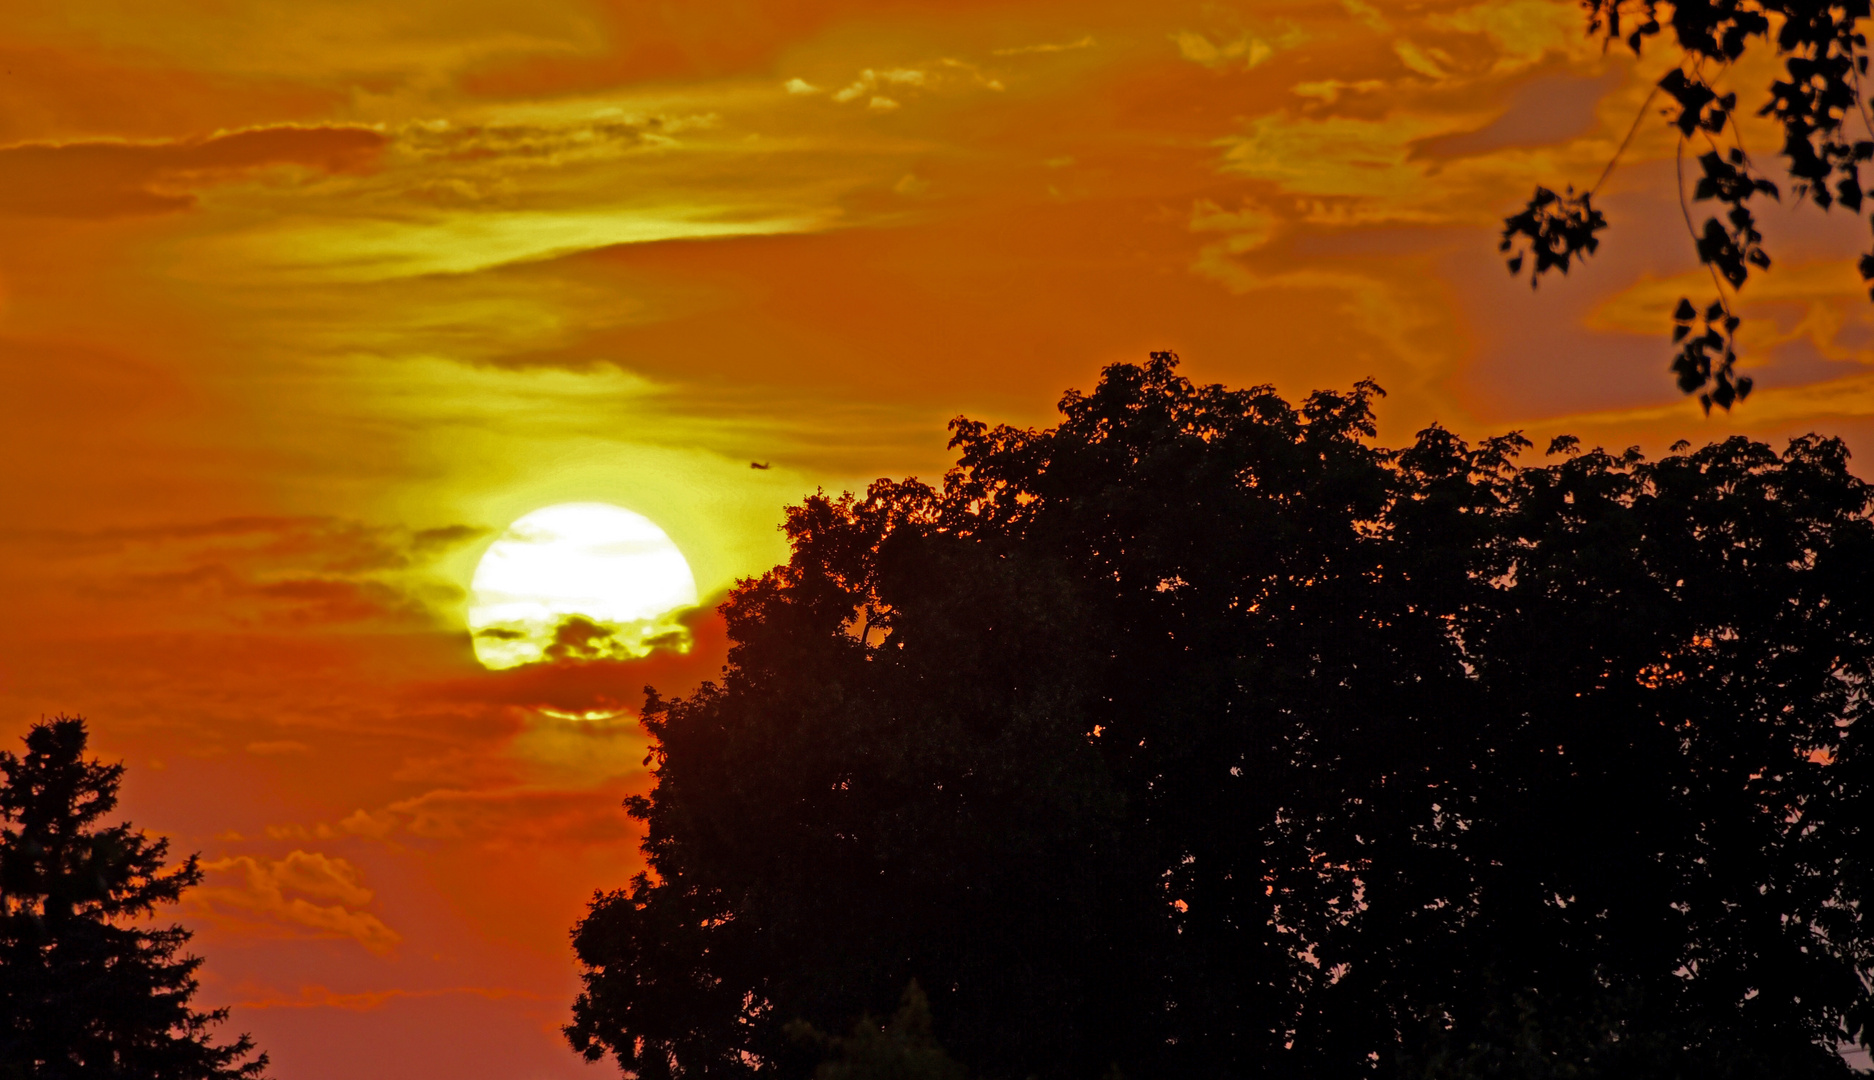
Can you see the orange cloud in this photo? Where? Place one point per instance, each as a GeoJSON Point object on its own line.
{"type": "Point", "coordinates": [117, 179]}
{"type": "Point", "coordinates": [262, 891]}
{"type": "Point", "coordinates": [72, 92]}
{"type": "Point", "coordinates": [510, 818]}
{"type": "Point", "coordinates": [594, 686]}
{"type": "Point", "coordinates": [307, 571]}
{"type": "Point", "coordinates": [327, 543]}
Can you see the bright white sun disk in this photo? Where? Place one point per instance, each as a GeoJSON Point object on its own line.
{"type": "Point", "coordinates": [578, 581]}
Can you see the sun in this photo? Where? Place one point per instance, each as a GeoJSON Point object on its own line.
{"type": "Point", "coordinates": [579, 581]}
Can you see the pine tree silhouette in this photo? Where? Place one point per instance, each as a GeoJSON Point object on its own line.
{"type": "Point", "coordinates": [87, 993]}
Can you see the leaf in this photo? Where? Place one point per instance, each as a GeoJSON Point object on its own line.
{"type": "Point", "coordinates": [1556, 228]}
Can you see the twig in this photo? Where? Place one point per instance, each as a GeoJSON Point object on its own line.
{"type": "Point", "coordinates": [1624, 143]}
{"type": "Point", "coordinates": [1854, 70]}
{"type": "Point", "coordinates": [1685, 211]}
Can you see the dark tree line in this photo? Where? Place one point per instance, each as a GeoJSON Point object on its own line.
{"type": "Point", "coordinates": [1199, 736]}
{"type": "Point", "coordinates": [87, 991]}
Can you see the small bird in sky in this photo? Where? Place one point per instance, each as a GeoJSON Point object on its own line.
{"type": "Point", "coordinates": [758, 465]}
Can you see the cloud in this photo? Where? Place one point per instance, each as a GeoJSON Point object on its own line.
{"type": "Point", "coordinates": [1824, 291]}
{"type": "Point", "coordinates": [243, 570]}
{"type": "Point", "coordinates": [1819, 406]}
{"type": "Point", "coordinates": [1085, 42]}
{"type": "Point", "coordinates": [1199, 49]}
{"type": "Point", "coordinates": [1545, 110]}
{"type": "Point", "coordinates": [1246, 229]}
{"type": "Point", "coordinates": [116, 179]}
{"type": "Point", "coordinates": [1420, 60]}
{"type": "Point", "coordinates": [870, 80]}
{"type": "Point", "coordinates": [1521, 32]}
{"type": "Point", "coordinates": [576, 685]}
{"type": "Point", "coordinates": [261, 889]}
{"type": "Point", "coordinates": [1367, 14]}
{"type": "Point", "coordinates": [331, 544]}
{"type": "Point", "coordinates": [606, 134]}
{"type": "Point", "coordinates": [44, 382]}
{"type": "Point", "coordinates": [417, 244]}
{"type": "Point", "coordinates": [280, 746]}
{"type": "Point", "coordinates": [325, 600]}
{"type": "Point", "coordinates": [57, 90]}
{"type": "Point", "coordinates": [1401, 312]}
{"type": "Point", "coordinates": [427, 542]}
{"type": "Point", "coordinates": [501, 818]}
{"type": "Point", "coordinates": [873, 84]}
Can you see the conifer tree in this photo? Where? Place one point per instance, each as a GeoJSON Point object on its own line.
{"type": "Point", "coordinates": [86, 991]}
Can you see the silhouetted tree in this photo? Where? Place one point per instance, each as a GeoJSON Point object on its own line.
{"type": "Point", "coordinates": [1199, 735]}
{"type": "Point", "coordinates": [85, 994]}
{"type": "Point", "coordinates": [1828, 134]}
{"type": "Point", "coordinates": [901, 1048]}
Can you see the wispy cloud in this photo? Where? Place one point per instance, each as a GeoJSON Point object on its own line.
{"type": "Point", "coordinates": [1083, 42]}
{"type": "Point", "coordinates": [102, 179]}
{"type": "Point", "coordinates": [243, 571]}
{"type": "Point", "coordinates": [289, 892]}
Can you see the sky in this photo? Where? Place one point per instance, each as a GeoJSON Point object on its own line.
{"type": "Point", "coordinates": [301, 304]}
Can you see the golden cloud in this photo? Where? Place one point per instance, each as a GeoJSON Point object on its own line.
{"type": "Point", "coordinates": [596, 685]}
{"type": "Point", "coordinates": [115, 179]}
{"type": "Point", "coordinates": [236, 571]}
{"type": "Point", "coordinates": [1085, 41]}
{"type": "Point", "coordinates": [260, 888]}
{"type": "Point", "coordinates": [511, 818]}
{"type": "Point", "coordinates": [607, 134]}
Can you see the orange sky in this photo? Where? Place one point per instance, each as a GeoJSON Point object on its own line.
{"type": "Point", "coordinates": [300, 304]}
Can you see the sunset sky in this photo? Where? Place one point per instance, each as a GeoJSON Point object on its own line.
{"type": "Point", "coordinates": [301, 304]}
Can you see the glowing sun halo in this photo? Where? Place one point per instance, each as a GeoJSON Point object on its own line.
{"type": "Point", "coordinates": [578, 581]}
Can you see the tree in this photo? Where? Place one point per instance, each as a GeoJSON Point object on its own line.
{"type": "Point", "coordinates": [1198, 735]}
{"type": "Point", "coordinates": [86, 993]}
{"type": "Point", "coordinates": [901, 1048]}
{"type": "Point", "coordinates": [948, 794]}
{"type": "Point", "coordinates": [1824, 55]}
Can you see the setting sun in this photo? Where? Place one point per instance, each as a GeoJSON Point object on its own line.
{"type": "Point", "coordinates": [578, 580]}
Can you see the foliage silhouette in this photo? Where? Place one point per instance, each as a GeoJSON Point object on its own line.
{"type": "Point", "coordinates": [85, 993]}
{"type": "Point", "coordinates": [1198, 735]}
{"type": "Point", "coordinates": [1817, 104]}
{"type": "Point", "coordinates": [901, 1048]}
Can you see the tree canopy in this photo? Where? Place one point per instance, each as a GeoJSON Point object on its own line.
{"type": "Point", "coordinates": [900, 1048]}
{"type": "Point", "coordinates": [1199, 735]}
{"type": "Point", "coordinates": [85, 992]}
{"type": "Point", "coordinates": [1827, 136]}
